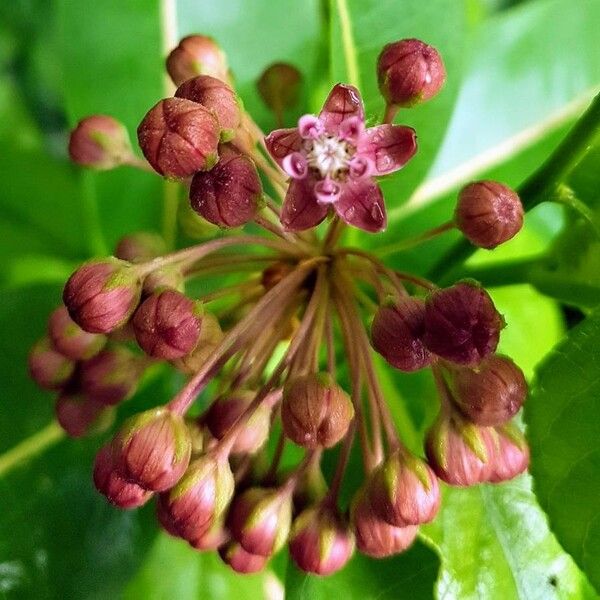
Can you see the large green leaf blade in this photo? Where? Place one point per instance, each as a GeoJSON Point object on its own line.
{"type": "Point", "coordinates": [563, 425]}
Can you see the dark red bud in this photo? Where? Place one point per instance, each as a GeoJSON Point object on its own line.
{"type": "Point", "coordinates": [80, 416]}
{"type": "Point", "coordinates": [320, 541]}
{"type": "Point", "coordinates": [279, 86]}
{"type": "Point", "coordinates": [101, 295]}
{"type": "Point", "coordinates": [460, 453]}
{"type": "Point", "coordinates": [226, 410]}
{"type": "Point", "coordinates": [216, 96]}
{"type": "Point", "coordinates": [112, 375]}
{"type": "Point", "coordinates": [197, 55]}
{"type": "Point", "coordinates": [140, 247]}
{"type": "Point", "coordinates": [241, 561]}
{"type": "Point", "coordinates": [109, 483]}
{"type": "Point", "coordinates": [210, 337]}
{"type": "Point", "coordinates": [99, 142]}
{"type": "Point", "coordinates": [397, 334]}
{"type": "Point", "coordinates": [409, 72]}
{"type": "Point", "coordinates": [49, 368]}
{"type": "Point", "coordinates": [462, 324]}
{"type": "Point", "coordinates": [260, 519]}
{"type": "Point", "coordinates": [488, 213]}
{"type": "Point", "coordinates": [179, 137]}
{"type": "Point", "coordinates": [153, 449]}
{"type": "Point", "coordinates": [404, 490]}
{"type": "Point", "coordinates": [167, 324]}
{"type": "Point", "coordinates": [490, 394]}
{"type": "Point", "coordinates": [69, 339]}
{"type": "Point", "coordinates": [511, 457]}
{"type": "Point", "coordinates": [229, 194]}
{"type": "Point", "coordinates": [315, 411]}
{"type": "Point", "coordinates": [375, 537]}
{"type": "Point", "coordinates": [191, 508]}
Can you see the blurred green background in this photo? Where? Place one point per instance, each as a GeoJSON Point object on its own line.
{"type": "Point", "coordinates": [519, 75]}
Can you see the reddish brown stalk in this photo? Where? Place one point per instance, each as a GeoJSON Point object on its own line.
{"type": "Point", "coordinates": [250, 286]}
{"type": "Point", "coordinates": [336, 483]}
{"type": "Point", "coordinates": [330, 342]}
{"type": "Point", "coordinates": [270, 477]}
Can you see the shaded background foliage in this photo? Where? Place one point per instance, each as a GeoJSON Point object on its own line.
{"type": "Point", "coordinates": [519, 75]}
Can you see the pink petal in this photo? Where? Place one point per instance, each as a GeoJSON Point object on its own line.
{"type": "Point", "coordinates": [361, 204]}
{"type": "Point", "coordinates": [343, 102]}
{"type": "Point", "coordinates": [390, 147]}
{"type": "Point", "coordinates": [310, 127]}
{"type": "Point", "coordinates": [282, 142]}
{"type": "Point", "coordinates": [300, 208]}
{"type": "Point", "coordinates": [327, 191]}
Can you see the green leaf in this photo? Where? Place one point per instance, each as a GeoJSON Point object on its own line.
{"type": "Point", "coordinates": [563, 427]}
{"type": "Point", "coordinates": [174, 570]}
{"type": "Point", "coordinates": [410, 575]}
{"type": "Point", "coordinates": [360, 29]}
{"type": "Point", "coordinates": [495, 544]}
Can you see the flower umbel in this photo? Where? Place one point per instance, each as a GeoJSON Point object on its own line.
{"type": "Point", "coordinates": [274, 335]}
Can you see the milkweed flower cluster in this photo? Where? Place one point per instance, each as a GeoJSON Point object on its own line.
{"type": "Point", "coordinates": [261, 353]}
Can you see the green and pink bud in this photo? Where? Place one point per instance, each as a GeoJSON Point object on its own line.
{"type": "Point", "coordinates": [80, 416]}
{"type": "Point", "coordinates": [320, 541]}
{"type": "Point", "coordinates": [209, 339]}
{"type": "Point", "coordinates": [153, 449]}
{"type": "Point", "coordinates": [69, 339]}
{"type": "Point", "coordinates": [260, 519]}
{"type": "Point", "coordinates": [99, 142]}
{"type": "Point", "coordinates": [511, 456]}
{"type": "Point", "coordinates": [234, 555]}
{"type": "Point", "coordinates": [102, 295]}
{"type": "Point", "coordinates": [315, 411]}
{"type": "Point", "coordinates": [50, 369]}
{"type": "Point", "coordinates": [404, 490]}
{"type": "Point", "coordinates": [110, 484]}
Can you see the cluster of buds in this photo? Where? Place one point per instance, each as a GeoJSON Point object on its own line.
{"type": "Point", "coordinates": [295, 301]}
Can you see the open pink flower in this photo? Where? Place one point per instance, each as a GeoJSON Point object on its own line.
{"type": "Point", "coordinates": [332, 160]}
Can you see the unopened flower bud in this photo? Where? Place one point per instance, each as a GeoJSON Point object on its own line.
{"type": "Point", "coordinates": [69, 339]}
{"type": "Point", "coordinates": [112, 375]}
{"type": "Point", "coordinates": [320, 542]}
{"type": "Point", "coordinates": [47, 367]}
{"type": "Point", "coordinates": [511, 456]}
{"type": "Point", "coordinates": [227, 409]}
{"type": "Point", "coordinates": [167, 324]}
{"type": "Point", "coordinates": [279, 87]}
{"type": "Point", "coordinates": [241, 561]}
{"type": "Point", "coordinates": [488, 213]}
{"type": "Point", "coordinates": [80, 416]}
{"type": "Point", "coordinates": [460, 453]}
{"type": "Point", "coordinates": [397, 334]}
{"type": "Point", "coordinates": [140, 247]}
{"type": "Point", "coordinates": [315, 411]}
{"type": "Point", "coordinates": [101, 295]}
{"type": "Point", "coordinates": [409, 72]}
{"type": "Point", "coordinates": [153, 449]}
{"type": "Point", "coordinates": [197, 55]}
{"type": "Point", "coordinates": [375, 537]}
{"type": "Point", "coordinates": [210, 337]}
{"type": "Point", "coordinates": [229, 194]}
{"type": "Point", "coordinates": [99, 142]}
{"type": "Point", "coordinates": [490, 394]}
{"type": "Point", "coordinates": [215, 95]}
{"type": "Point", "coordinates": [404, 490]}
{"type": "Point", "coordinates": [260, 519]}
{"type": "Point", "coordinates": [199, 499]}
{"type": "Point", "coordinates": [162, 278]}
{"type": "Point", "coordinates": [179, 137]}
{"type": "Point", "coordinates": [215, 537]}
{"type": "Point", "coordinates": [462, 324]}
{"type": "Point", "coordinates": [109, 483]}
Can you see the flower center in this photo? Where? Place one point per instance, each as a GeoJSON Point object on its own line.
{"type": "Point", "coordinates": [329, 155]}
